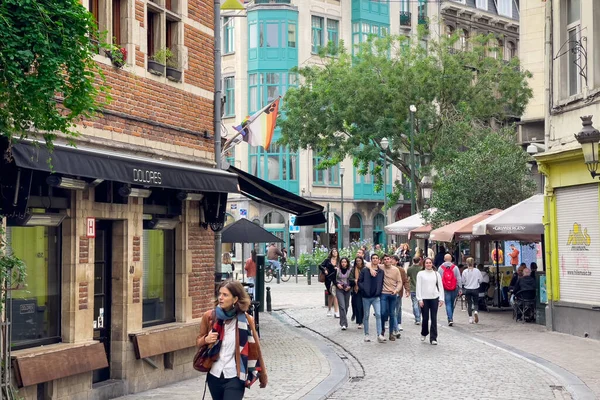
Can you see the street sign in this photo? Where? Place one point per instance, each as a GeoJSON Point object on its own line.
{"type": "Point", "coordinates": [293, 227]}
{"type": "Point", "coordinates": [234, 206]}
{"type": "Point", "coordinates": [243, 213]}
{"type": "Point", "coordinates": [90, 227]}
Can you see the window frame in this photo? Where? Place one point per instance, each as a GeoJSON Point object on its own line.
{"type": "Point", "coordinates": [229, 91]}
{"type": "Point", "coordinates": [333, 35]}
{"type": "Point", "coordinates": [571, 68]}
{"type": "Point", "coordinates": [325, 177]}
{"type": "Point", "coordinates": [317, 32]}
{"type": "Point", "coordinates": [165, 26]}
{"type": "Point", "coordinates": [501, 8]}
{"type": "Point", "coordinates": [481, 5]}
{"type": "Point", "coordinates": [228, 35]}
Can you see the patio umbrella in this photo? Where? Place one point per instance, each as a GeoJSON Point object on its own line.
{"type": "Point", "coordinates": [244, 231]}
{"type": "Point", "coordinates": [421, 232]}
{"type": "Point", "coordinates": [405, 225]}
{"type": "Point", "coordinates": [461, 230]}
{"type": "Point", "coordinates": [523, 221]}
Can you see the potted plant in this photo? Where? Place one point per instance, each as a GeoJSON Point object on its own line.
{"type": "Point", "coordinates": [117, 55]}
{"type": "Point", "coordinates": [173, 70]}
{"type": "Point", "coordinates": [157, 62]}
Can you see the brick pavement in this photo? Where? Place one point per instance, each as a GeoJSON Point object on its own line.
{"type": "Point", "coordinates": [296, 366]}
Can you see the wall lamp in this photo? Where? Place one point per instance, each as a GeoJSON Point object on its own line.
{"type": "Point", "coordinates": [66, 183]}
{"type": "Point", "coordinates": [127, 191]}
{"type": "Point", "coordinates": [183, 196]}
{"type": "Point", "coordinates": [589, 138]}
{"type": "Point", "coordinates": [161, 223]}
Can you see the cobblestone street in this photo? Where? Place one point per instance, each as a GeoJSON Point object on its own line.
{"type": "Point", "coordinates": [309, 357]}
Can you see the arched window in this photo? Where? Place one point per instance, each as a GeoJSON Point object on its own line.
{"type": "Point", "coordinates": [464, 39]}
{"type": "Point", "coordinates": [511, 50]}
{"type": "Point", "coordinates": [356, 231]}
{"type": "Point", "coordinates": [449, 30]}
{"type": "Point", "coordinates": [273, 217]}
{"type": "Point", "coordinates": [378, 233]}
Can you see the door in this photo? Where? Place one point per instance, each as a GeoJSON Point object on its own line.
{"type": "Point", "coordinates": [102, 295]}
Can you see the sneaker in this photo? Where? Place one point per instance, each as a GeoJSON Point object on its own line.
{"type": "Point", "coordinates": [470, 320]}
{"type": "Point", "coordinates": [397, 334]}
{"type": "Point", "coordinates": [400, 328]}
{"type": "Point", "coordinates": [367, 339]}
{"type": "Point", "coordinates": [392, 338]}
{"type": "Point", "coordinates": [417, 322]}
{"type": "Point", "coordinates": [434, 342]}
{"type": "Point", "coordinates": [381, 339]}
{"type": "Point", "coordinates": [450, 323]}
{"type": "Point", "coordinates": [329, 313]}
{"type": "Point", "coordinates": [359, 326]}
{"type": "Point", "coordinates": [336, 315]}
{"type": "Point", "coordinates": [344, 328]}
{"type": "Point", "coordinates": [423, 338]}
{"type": "Point", "coordinates": [476, 317]}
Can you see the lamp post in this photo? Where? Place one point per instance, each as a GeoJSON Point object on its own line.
{"type": "Point", "coordinates": [413, 204]}
{"type": "Point", "coordinates": [384, 146]}
{"type": "Point", "coordinates": [342, 208]}
{"type": "Point", "coordinates": [426, 187]}
{"type": "Point", "coordinates": [589, 138]}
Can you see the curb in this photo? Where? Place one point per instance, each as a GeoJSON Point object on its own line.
{"type": "Point", "coordinates": [338, 371]}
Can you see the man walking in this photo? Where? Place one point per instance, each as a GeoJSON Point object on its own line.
{"type": "Point", "coordinates": [404, 290]}
{"type": "Point", "coordinates": [412, 272]}
{"type": "Point", "coordinates": [451, 280]}
{"type": "Point", "coordinates": [370, 284]}
{"type": "Point", "coordinates": [392, 282]}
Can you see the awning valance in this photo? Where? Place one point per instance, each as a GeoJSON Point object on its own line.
{"type": "Point", "coordinates": [306, 211]}
{"type": "Point", "coordinates": [85, 162]}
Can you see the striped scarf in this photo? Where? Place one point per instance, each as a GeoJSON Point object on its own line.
{"type": "Point", "coordinates": [247, 352]}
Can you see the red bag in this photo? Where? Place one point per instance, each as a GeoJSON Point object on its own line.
{"type": "Point", "coordinates": [448, 277]}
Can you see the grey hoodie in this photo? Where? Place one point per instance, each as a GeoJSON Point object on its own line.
{"type": "Point", "coordinates": [455, 270]}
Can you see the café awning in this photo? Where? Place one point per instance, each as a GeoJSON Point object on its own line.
{"type": "Point", "coordinates": [523, 221]}
{"type": "Point", "coordinates": [405, 225]}
{"type": "Point", "coordinates": [92, 163]}
{"type": "Point", "coordinates": [462, 229]}
{"type": "Point", "coordinates": [306, 211]}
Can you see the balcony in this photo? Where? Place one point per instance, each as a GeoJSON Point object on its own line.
{"type": "Point", "coordinates": [405, 18]}
{"type": "Point", "coordinates": [272, 1]}
{"type": "Point", "coordinates": [423, 20]}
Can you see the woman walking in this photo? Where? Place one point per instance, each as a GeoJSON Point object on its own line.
{"type": "Point", "coordinates": [430, 293]}
{"type": "Point", "coordinates": [404, 254]}
{"type": "Point", "coordinates": [471, 279]}
{"type": "Point", "coordinates": [342, 292]}
{"type": "Point", "coordinates": [357, 304]}
{"type": "Point", "coordinates": [328, 267]}
{"type": "Point", "coordinates": [234, 345]}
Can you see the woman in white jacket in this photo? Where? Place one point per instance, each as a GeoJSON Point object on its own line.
{"type": "Point", "coordinates": [430, 294]}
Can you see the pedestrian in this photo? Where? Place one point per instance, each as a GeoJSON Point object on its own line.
{"type": "Point", "coordinates": [404, 254]}
{"type": "Point", "coordinates": [370, 284]}
{"type": "Point", "coordinates": [471, 280]}
{"type": "Point", "coordinates": [439, 257]}
{"type": "Point", "coordinates": [357, 303]}
{"type": "Point", "coordinates": [392, 282]}
{"type": "Point", "coordinates": [235, 351]}
{"type": "Point", "coordinates": [451, 281]}
{"type": "Point", "coordinates": [533, 267]}
{"type": "Point", "coordinates": [430, 292]}
{"type": "Point", "coordinates": [342, 292]}
{"type": "Point", "coordinates": [250, 268]}
{"type": "Point", "coordinates": [273, 254]}
{"type": "Point", "coordinates": [226, 261]}
{"type": "Point", "coordinates": [328, 267]}
{"type": "Point", "coordinates": [413, 270]}
{"type": "Point", "coordinates": [366, 253]}
{"type": "Point", "coordinates": [404, 291]}
{"type": "Point", "coordinates": [514, 256]}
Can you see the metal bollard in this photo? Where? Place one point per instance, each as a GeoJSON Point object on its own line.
{"type": "Point", "coordinates": [308, 276]}
{"type": "Point", "coordinates": [278, 276]}
{"type": "Point", "coordinates": [269, 309]}
{"type": "Point", "coordinates": [296, 271]}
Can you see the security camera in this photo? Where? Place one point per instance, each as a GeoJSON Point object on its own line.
{"type": "Point", "coordinates": [532, 149]}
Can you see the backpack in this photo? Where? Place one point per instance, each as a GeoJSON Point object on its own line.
{"type": "Point", "coordinates": [448, 277]}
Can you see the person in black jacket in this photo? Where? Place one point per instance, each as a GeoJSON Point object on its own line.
{"type": "Point", "coordinates": [525, 289]}
{"type": "Point", "coordinates": [439, 257]}
{"type": "Point", "coordinates": [370, 284]}
{"type": "Point", "coordinates": [328, 267]}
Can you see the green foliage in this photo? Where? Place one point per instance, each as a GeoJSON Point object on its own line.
{"type": "Point", "coordinates": [348, 104]}
{"type": "Point", "coordinates": [46, 58]}
{"type": "Point", "coordinates": [162, 56]}
{"type": "Point", "coordinates": [492, 173]}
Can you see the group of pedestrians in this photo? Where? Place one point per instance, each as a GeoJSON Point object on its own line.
{"type": "Point", "coordinates": [378, 287]}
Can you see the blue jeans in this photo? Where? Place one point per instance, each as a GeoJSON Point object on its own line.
{"type": "Point", "coordinates": [376, 303]}
{"type": "Point", "coordinates": [389, 303]}
{"type": "Point", "coordinates": [449, 297]}
{"type": "Point", "coordinates": [416, 308]}
{"type": "Point", "coordinates": [399, 310]}
{"type": "Point", "coordinates": [275, 265]}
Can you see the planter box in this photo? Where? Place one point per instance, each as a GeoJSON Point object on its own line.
{"type": "Point", "coordinates": [156, 68]}
{"type": "Point", "coordinates": [173, 74]}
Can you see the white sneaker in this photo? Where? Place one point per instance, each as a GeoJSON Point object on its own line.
{"type": "Point", "coordinates": [344, 328]}
{"type": "Point", "coordinates": [329, 313]}
{"type": "Point", "coordinates": [397, 334]}
{"type": "Point", "coordinates": [434, 342]}
{"type": "Point", "coordinates": [476, 315]}
{"type": "Point", "coordinates": [381, 339]}
{"type": "Point", "coordinates": [423, 338]}
{"type": "Point", "coordinates": [359, 326]}
{"type": "Point", "coordinates": [470, 320]}
{"type": "Point", "coordinates": [417, 322]}
{"type": "Point", "coordinates": [367, 339]}
{"type": "Point", "coordinates": [336, 315]}
{"type": "Point", "coordinates": [400, 328]}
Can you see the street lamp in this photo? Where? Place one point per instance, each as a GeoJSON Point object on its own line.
{"type": "Point", "coordinates": [413, 206]}
{"type": "Point", "coordinates": [426, 187]}
{"type": "Point", "coordinates": [341, 239]}
{"type": "Point", "coordinates": [385, 143]}
{"type": "Point", "coordinates": [589, 138]}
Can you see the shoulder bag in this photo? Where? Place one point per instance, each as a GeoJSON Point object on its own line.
{"type": "Point", "coordinates": [202, 362]}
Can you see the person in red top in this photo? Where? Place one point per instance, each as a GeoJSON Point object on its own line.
{"type": "Point", "coordinates": [514, 256]}
{"type": "Point", "coordinates": [250, 268]}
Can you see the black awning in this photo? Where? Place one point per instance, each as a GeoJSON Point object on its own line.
{"type": "Point", "coordinates": [306, 211]}
{"type": "Point", "coordinates": [109, 165]}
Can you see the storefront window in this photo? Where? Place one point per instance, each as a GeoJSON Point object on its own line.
{"type": "Point", "coordinates": [159, 277]}
{"type": "Point", "coordinates": [35, 309]}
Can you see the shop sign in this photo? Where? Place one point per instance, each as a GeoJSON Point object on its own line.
{"type": "Point", "coordinates": [234, 206]}
{"type": "Point", "coordinates": [293, 227]}
{"type": "Point", "coordinates": [243, 213]}
{"type": "Point", "coordinates": [90, 227]}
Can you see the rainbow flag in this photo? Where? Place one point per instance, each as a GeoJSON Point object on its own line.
{"type": "Point", "coordinates": [257, 130]}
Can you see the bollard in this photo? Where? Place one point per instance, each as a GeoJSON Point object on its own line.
{"type": "Point", "coordinates": [308, 276]}
{"type": "Point", "coordinates": [296, 271]}
{"type": "Point", "coordinates": [278, 276]}
{"type": "Point", "coordinates": [269, 309]}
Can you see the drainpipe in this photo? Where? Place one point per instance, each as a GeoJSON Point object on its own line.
{"type": "Point", "coordinates": [217, 115]}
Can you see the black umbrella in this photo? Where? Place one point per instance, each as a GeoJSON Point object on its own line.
{"type": "Point", "coordinates": [244, 231]}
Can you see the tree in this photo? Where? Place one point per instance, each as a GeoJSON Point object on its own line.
{"type": "Point", "coordinates": [349, 103]}
{"type": "Point", "coordinates": [491, 174]}
{"type": "Point", "coordinates": [48, 82]}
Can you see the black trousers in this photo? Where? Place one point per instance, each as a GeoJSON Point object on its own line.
{"type": "Point", "coordinates": [429, 309]}
{"type": "Point", "coordinates": [225, 389]}
{"type": "Point", "coordinates": [357, 308]}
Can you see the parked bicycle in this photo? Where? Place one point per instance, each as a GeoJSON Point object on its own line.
{"type": "Point", "coordinates": [271, 271]}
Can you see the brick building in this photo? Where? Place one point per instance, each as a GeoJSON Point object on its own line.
{"type": "Point", "coordinates": [119, 252]}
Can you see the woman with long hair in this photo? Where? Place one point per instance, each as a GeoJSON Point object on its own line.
{"type": "Point", "coordinates": [233, 344]}
{"type": "Point", "coordinates": [342, 292]}
{"type": "Point", "coordinates": [357, 306]}
{"type": "Point", "coordinates": [328, 267]}
{"type": "Point", "coordinates": [227, 260]}
{"type": "Point", "coordinates": [430, 294]}
{"type": "Point", "coordinates": [404, 255]}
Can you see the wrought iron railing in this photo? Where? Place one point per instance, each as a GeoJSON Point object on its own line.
{"type": "Point", "coordinates": [405, 18]}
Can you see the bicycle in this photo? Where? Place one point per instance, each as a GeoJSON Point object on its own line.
{"type": "Point", "coordinates": [270, 271]}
